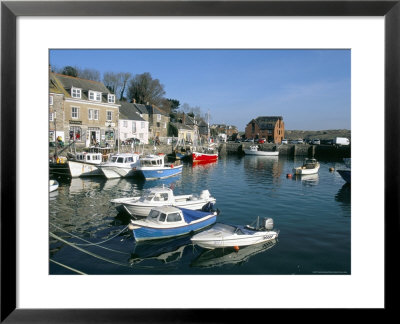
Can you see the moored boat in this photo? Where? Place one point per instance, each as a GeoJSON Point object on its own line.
{"type": "Point", "coordinates": [205, 154]}
{"type": "Point", "coordinates": [168, 221]}
{"type": "Point", "coordinates": [225, 235]}
{"type": "Point", "coordinates": [53, 185]}
{"type": "Point", "coordinates": [152, 167]}
{"type": "Point", "coordinates": [310, 166]}
{"type": "Point", "coordinates": [254, 150]}
{"type": "Point", "coordinates": [120, 165]}
{"type": "Point", "coordinates": [85, 164]}
{"type": "Point", "coordinates": [346, 173]}
{"type": "Point", "coordinates": [161, 196]}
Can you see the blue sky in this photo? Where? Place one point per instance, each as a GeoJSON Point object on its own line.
{"type": "Point", "coordinates": [310, 89]}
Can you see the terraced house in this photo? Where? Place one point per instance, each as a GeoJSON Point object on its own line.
{"type": "Point", "coordinates": [89, 112]}
{"type": "Point", "coordinates": [272, 128]}
{"type": "Point", "coordinates": [132, 124]}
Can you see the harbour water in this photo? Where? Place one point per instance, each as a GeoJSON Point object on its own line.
{"type": "Point", "coordinates": [87, 235]}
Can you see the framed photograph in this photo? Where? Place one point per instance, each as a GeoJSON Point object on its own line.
{"type": "Point", "coordinates": [332, 252]}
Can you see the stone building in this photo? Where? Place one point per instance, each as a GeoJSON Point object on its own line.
{"type": "Point", "coordinates": [56, 110]}
{"type": "Point", "coordinates": [132, 124]}
{"type": "Point", "coordinates": [272, 128]}
{"type": "Point", "coordinates": [89, 111]}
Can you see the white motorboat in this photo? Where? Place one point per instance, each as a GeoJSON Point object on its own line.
{"type": "Point", "coordinates": [120, 165]}
{"type": "Point", "coordinates": [224, 235]}
{"type": "Point", "coordinates": [310, 166]}
{"type": "Point", "coordinates": [161, 196]}
{"type": "Point", "coordinates": [254, 150]}
{"type": "Point", "coordinates": [53, 185]}
{"type": "Point", "coordinates": [85, 164]}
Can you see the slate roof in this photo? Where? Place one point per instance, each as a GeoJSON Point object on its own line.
{"type": "Point", "coordinates": [129, 111]}
{"type": "Point", "coordinates": [67, 82]}
{"type": "Point", "coordinates": [267, 122]}
{"type": "Point", "coordinates": [182, 126]}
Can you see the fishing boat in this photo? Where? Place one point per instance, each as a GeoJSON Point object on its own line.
{"type": "Point", "coordinates": [225, 235]}
{"type": "Point", "coordinates": [346, 173]}
{"type": "Point", "coordinates": [161, 196]}
{"type": "Point", "coordinates": [167, 221]}
{"type": "Point", "coordinates": [85, 164]}
{"type": "Point", "coordinates": [254, 150]}
{"type": "Point", "coordinates": [310, 166]}
{"type": "Point", "coordinates": [53, 185]}
{"type": "Point", "coordinates": [152, 167]}
{"type": "Point", "coordinates": [120, 165]}
{"type": "Point", "coordinates": [207, 153]}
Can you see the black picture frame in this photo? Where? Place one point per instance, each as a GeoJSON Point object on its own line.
{"type": "Point", "coordinates": [10, 10]}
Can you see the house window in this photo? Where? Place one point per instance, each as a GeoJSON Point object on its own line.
{"type": "Point", "coordinates": [95, 114]}
{"type": "Point", "coordinates": [109, 115]}
{"type": "Point", "coordinates": [133, 127]}
{"type": "Point", "coordinates": [75, 112]}
{"type": "Point", "coordinates": [111, 98]}
{"type": "Point", "coordinates": [51, 100]}
{"type": "Point", "coordinates": [141, 136]}
{"type": "Point", "coordinates": [94, 95]}
{"type": "Point", "coordinates": [142, 125]}
{"type": "Point", "coordinates": [109, 134]}
{"type": "Point", "coordinates": [165, 125]}
{"type": "Point", "coordinates": [158, 117]}
{"type": "Point", "coordinates": [125, 123]}
{"type": "Point", "coordinates": [90, 114]}
{"type": "Point", "coordinates": [51, 117]}
{"type": "Point", "coordinates": [75, 133]}
{"type": "Point", "coordinates": [76, 93]}
{"type": "Point", "coordinates": [158, 124]}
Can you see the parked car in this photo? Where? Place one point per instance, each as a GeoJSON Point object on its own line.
{"type": "Point", "coordinates": [261, 141]}
{"type": "Point", "coordinates": [285, 141]}
{"type": "Point", "coordinates": [316, 142]}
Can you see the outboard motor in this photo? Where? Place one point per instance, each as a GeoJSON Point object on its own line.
{"type": "Point", "coordinates": [205, 194]}
{"type": "Point", "coordinates": [268, 224]}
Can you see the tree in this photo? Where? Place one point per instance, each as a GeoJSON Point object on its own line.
{"type": "Point", "coordinates": [144, 89]}
{"type": "Point", "coordinates": [89, 74]}
{"type": "Point", "coordinates": [174, 103]}
{"type": "Point", "coordinates": [112, 81]}
{"type": "Point", "coordinates": [70, 70]}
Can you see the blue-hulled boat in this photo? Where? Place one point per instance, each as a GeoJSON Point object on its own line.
{"type": "Point", "coordinates": [346, 173]}
{"type": "Point", "coordinates": [167, 221]}
{"type": "Point", "coordinates": [152, 167]}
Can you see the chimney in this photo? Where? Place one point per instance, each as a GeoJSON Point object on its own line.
{"type": "Point", "coordinates": [183, 118]}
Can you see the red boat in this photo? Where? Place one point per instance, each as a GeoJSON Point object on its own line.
{"type": "Point", "coordinates": [204, 157]}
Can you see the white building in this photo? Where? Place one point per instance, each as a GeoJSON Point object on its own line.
{"type": "Point", "coordinates": [131, 125]}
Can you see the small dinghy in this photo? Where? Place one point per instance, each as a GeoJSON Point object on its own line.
{"type": "Point", "coordinates": [310, 166]}
{"type": "Point", "coordinates": [224, 235]}
{"type": "Point", "coordinates": [53, 185]}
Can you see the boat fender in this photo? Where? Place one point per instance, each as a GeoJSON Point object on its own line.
{"type": "Point", "coordinates": [131, 227]}
{"type": "Point", "coordinates": [236, 248]}
{"type": "Point", "coordinates": [289, 175]}
{"type": "Point", "coordinates": [331, 169]}
{"type": "Point", "coordinates": [171, 166]}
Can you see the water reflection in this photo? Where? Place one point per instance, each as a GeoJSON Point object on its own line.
{"type": "Point", "coordinates": [159, 251]}
{"type": "Point", "coordinates": [307, 179]}
{"type": "Point", "coordinates": [220, 257]}
{"type": "Point", "coordinates": [268, 167]}
{"type": "Point", "coordinates": [344, 194]}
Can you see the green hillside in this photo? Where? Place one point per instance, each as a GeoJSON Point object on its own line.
{"type": "Point", "coordinates": [321, 134]}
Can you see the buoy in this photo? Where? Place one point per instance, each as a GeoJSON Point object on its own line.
{"type": "Point", "coordinates": [289, 175]}
{"type": "Point", "coordinates": [172, 166]}
{"type": "Point", "coordinates": [130, 226]}
{"type": "Point", "coordinates": [236, 248]}
{"type": "Point", "coordinates": [331, 169]}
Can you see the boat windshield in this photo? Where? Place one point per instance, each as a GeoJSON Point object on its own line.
{"type": "Point", "coordinates": [174, 217]}
{"type": "Point", "coordinates": [238, 231]}
{"type": "Point", "coordinates": [147, 197]}
{"type": "Point", "coordinates": [114, 158]}
{"type": "Point", "coordinates": [153, 214]}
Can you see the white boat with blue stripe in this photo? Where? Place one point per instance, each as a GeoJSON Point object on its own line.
{"type": "Point", "coordinates": [167, 221]}
{"type": "Point", "coordinates": [152, 167]}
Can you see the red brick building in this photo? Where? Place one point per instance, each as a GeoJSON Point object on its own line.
{"type": "Point", "coordinates": [272, 128]}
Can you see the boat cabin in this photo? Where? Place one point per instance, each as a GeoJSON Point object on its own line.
{"type": "Point", "coordinates": [152, 161]}
{"type": "Point", "coordinates": [157, 195]}
{"type": "Point", "coordinates": [166, 215]}
{"type": "Point", "coordinates": [92, 158]}
{"type": "Point", "coordinates": [124, 158]}
{"type": "Point", "coordinates": [310, 163]}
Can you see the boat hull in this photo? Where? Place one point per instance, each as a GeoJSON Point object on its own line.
{"type": "Point", "coordinates": [124, 205]}
{"type": "Point", "coordinates": [204, 157]}
{"type": "Point", "coordinates": [232, 241]}
{"type": "Point", "coordinates": [261, 153]}
{"type": "Point", "coordinates": [345, 174]}
{"type": "Point", "coordinates": [151, 173]}
{"type": "Point", "coordinates": [301, 170]}
{"type": "Point", "coordinates": [81, 169]}
{"type": "Point", "coordinates": [150, 233]}
{"type": "Point", "coordinates": [53, 185]}
{"type": "Point", "coordinates": [112, 172]}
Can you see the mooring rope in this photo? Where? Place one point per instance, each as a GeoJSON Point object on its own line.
{"type": "Point", "coordinates": [86, 251]}
{"type": "Point", "coordinates": [92, 243]}
{"type": "Point", "coordinates": [67, 267]}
